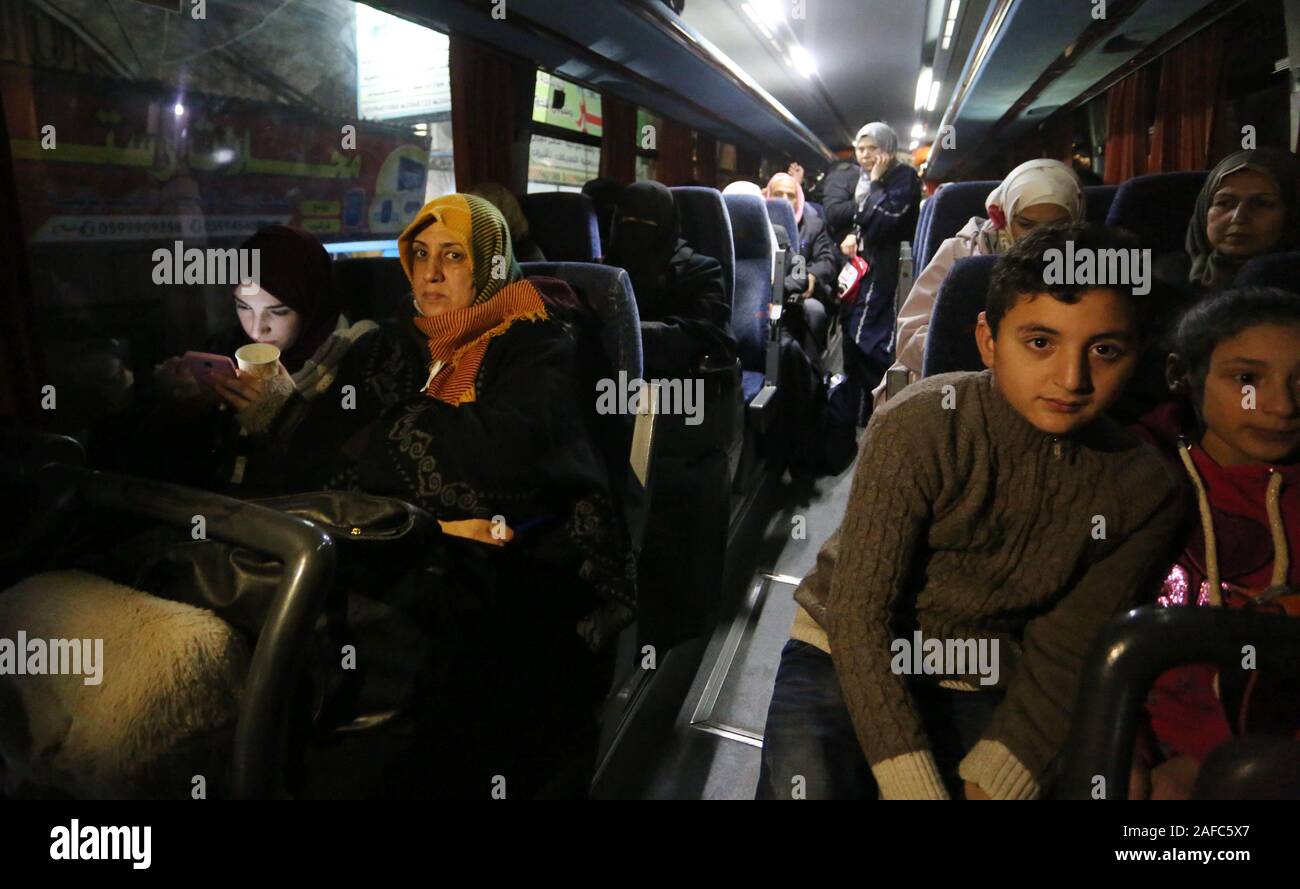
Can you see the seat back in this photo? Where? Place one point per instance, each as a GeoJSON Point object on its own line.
{"type": "Point", "coordinates": [1157, 208]}
{"type": "Point", "coordinates": [781, 213]}
{"type": "Point", "coordinates": [952, 206]}
{"type": "Point", "coordinates": [950, 344]}
{"type": "Point", "coordinates": [614, 331]}
{"type": "Point", "coordinates": [371, 288]}
{"type": "Point", "coordinates": [752, 233]}
{"type": "Point", "coordinates": [1275, 270]}
{"type": "Point", "coordinates": [564, 225]}
{"type": "Point", "coordinates": [706, 226]}
{"type": "Point", "coordinates": [1098, 199]}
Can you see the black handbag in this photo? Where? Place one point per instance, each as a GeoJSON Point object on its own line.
{"type": "Point", "coordinates": [372, 639]}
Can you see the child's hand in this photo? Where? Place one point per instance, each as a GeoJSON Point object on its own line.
{"type": "Point", "coordinates": [1174, 779]}
{"type": "Point", "coordinates": [973, 791]}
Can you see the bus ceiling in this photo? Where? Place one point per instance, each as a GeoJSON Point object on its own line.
{"type": "Point", "coordinates": [638, 50]}
{"type": "Point", "coordinates": [1030, 61]}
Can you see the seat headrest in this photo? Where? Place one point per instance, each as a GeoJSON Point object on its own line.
{"type": "Point", "coordinates": [564, 225]}
{"type": "Point", "coordinates": [1274, 270]}
{"type": "Point", "coordinates": [607, 292]}
{"type": "Point", "coordinates": [781, 213]}
{"type": "Point", "coordinates": [950, 343]}
{"type": "Point", "coordinates": [706, 226]}
{"type": "Point", "coordinates": [1156, 208]}
{"type": "Point", "coordinates": [750, 226]}
{"type": "Point", "coordinates": [951, 207]}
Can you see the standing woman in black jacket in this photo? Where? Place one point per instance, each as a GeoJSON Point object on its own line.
{"type": "Point", "coordinates": [885, 202]}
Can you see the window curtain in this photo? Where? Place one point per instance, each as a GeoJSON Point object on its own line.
{"type": "Point", "coordinates": [20, 363]}
{"type": "Point", "coordinates": [620, 139]}
{"type": "Point", "coordinates": [676, 161]}
{"type": "Point", "coordinates": [1127, 113]}
{"type": "Point", "coordinates": [748, 164]}
{"type": "Point", "coordinates": [706, 159]}
{"type": "Point", "coordinates": [1185, 103]}
{"type": "Point", "coordinates": [491, 105]}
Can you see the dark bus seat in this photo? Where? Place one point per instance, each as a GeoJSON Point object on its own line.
{"type": "Point", "coordinates": [371, 288]}
{"type": "Point", "coordinates": [781, 213]}
{"type": "Point", "coordinates": [753, 288]}
{"type": "Point", "coordinates": [706, 226]}
{"type": "Point", "coordinates": [1156, 208]}
{"type": "Point", "coordinates": [1124, 661]}
{"type": "Point", "coordinates": [564, 225]}
{"type": "Point", "coordinates": [1274, 270]}
{"type": "Point", "coordinates": [951, 207]}
{"type": "Point", "coordinates": [950, 344]}
{"type": "Point", "coordinates": [1098, 199]}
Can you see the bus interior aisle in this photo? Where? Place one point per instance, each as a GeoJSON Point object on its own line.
{"type": "Point", "coordinates": [445, 399]}
{"type": "Point", "coordinates": [715, 741]}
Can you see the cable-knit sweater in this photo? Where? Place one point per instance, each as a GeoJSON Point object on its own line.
{"type": "Point", "coordinates": [967, 522]}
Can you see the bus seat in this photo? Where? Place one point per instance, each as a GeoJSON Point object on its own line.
{"type": "Point", "coordinates": [950, 345]}
{"type": "Point", "coordinates": [371, 288]}
{"type": "Point", "coordinates": [163, 709]}
{"type": "Point", "coordinates": [952, 206]}
{"type": "Point", "coordinates": [1098, 199]}
{"type": "Point", "coordinates": [607, 292]}
{"type": "Point", "coordinates": [781, 213]}
{"type": "Point", "coordinates": [1274, 270]}
{"type": "Point", "coordinates": [564, 225]}
{"type": "Point", "coordinates": [752, 235]}
{"type": "Point", "coordinates": [1156, 208]}
{"type": "Point", "coordinates": [706, 226]}
{"type": "Point", "coordinates": [821, 212]}
{"type": "Point", "coordinates": [922, 226]}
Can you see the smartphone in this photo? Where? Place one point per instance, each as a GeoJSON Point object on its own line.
{"type": "Point", "coordinates": [204, 366]}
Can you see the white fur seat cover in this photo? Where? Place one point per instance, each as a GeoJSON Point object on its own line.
{"type": "Point", "coordinates": [163, 712]}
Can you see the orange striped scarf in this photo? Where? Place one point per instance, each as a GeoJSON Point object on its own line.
{"type": "Point", "coordinates": [459, 338]}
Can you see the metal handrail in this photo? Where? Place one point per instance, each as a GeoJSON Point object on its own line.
{"type": "Point", "coordinates": [308, 557]}
{"type": "Point", "coordinates": [1124, 661]}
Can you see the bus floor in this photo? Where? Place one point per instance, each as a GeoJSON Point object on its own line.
{"type": "Point", "coordinates": [714, 748]}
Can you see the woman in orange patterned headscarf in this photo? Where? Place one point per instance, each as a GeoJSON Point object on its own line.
{"type": "Point", "coordinates": [466, 405]}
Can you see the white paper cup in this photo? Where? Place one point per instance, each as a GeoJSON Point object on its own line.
{"type": "Point", "coordinates": [260, 360]}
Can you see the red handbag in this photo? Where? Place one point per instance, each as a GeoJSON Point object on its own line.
{"type": "Point", "coordinates": [850, 279]}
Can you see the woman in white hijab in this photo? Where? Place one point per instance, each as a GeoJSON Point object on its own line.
{"type": "Point", "coordinates": [1038, 192]}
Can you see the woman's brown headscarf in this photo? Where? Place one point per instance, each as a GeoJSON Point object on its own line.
{"type": "Point", "coordinates": [1212, 269]}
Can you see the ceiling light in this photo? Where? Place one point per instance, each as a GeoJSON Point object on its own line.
{"type": "Point", "coordinates": [923, 87]}
{"type": "Point", "coordinates": [803, 59]}
{"type": "Point", "coordinates": [178, 109]}
{"type": "Point", "coordinates": [915, 145]}
{"type": "Point", "coordinates": [947, 42]}
{"type": "Point", "coordinates": [771, 12]}
{"type": "Point", "coordinates": [934, 96]}
{"type": "Point", "coordinates": [952, 10]}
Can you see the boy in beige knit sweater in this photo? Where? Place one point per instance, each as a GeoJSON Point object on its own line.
{"type": "Point", "coordinates": [997, 521]}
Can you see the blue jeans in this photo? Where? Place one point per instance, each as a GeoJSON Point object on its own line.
{"type": "Point", "coordinates": [809, 731]}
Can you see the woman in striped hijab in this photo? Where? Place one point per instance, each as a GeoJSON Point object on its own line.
{"type": "Point", "coordinates": [467, 406]}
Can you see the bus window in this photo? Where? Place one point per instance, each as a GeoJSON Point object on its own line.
{"type": "Point", "coordinates": [141, 134]}
{"type": "Point", "coordinates": [564, 150]}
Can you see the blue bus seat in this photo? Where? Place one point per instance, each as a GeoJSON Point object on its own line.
{"type": "Point", "coordinates": [564, 225]}
{"type": "Point", "coordinates": [950, 345]}
{"type": "Point", "coordinates": [1156, 208]}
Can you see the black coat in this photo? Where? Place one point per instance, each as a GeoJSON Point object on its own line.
{"type": "Point", "coordinates": [687, 316]}
{"type": "Point", "coordinates": [838, 201]}
{"type": "Point", "coordinates": [520, 451]}
{"type": "Point", "coordinates": [820, 255]}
